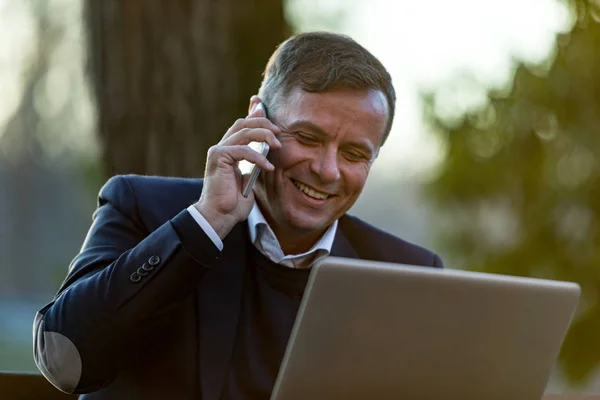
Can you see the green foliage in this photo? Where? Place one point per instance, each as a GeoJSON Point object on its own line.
{"type": "Point", "coordinates": [519, 187]}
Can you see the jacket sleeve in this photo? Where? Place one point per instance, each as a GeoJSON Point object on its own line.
{"type": "Point", "coordinates": [118, 293]}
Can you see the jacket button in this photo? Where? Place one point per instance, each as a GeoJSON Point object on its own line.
{"type": "Point", "coordinates": [154, 260]}
{"type": "Point", "coordinates": [141, 271]}
{"type": "Point", "coordinates": [135, 277]}
{"type": "Point", "coordinates": [147, 267]}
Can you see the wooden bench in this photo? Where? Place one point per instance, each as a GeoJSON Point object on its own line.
{"type": "Point", "coordinates": [26, 386]}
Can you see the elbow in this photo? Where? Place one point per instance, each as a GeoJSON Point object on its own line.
{"type": "Point", "coordinates": [56, 356]}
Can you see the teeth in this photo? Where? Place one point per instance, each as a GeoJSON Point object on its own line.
{"type": "Point", "coordinates": [310, 192]}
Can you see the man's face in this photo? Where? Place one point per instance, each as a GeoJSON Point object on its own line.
{"type": "Point", "coordinates": [329, 141]}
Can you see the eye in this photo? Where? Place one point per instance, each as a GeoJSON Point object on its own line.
{"type": "Point", "coordinates": [306, 138]}
{"type": "Point", "coordinates": [356, 156]}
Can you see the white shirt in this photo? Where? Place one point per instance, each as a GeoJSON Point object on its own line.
{"type": "Point", "coordinates": [263, 238]}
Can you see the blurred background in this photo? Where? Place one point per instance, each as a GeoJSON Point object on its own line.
{"type": "Point", "coordinates": [492, 161]}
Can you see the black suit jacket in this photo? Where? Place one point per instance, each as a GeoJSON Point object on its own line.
{"type": "Point", "coordinates": [150, 306]}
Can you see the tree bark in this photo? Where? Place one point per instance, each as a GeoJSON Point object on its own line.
{"type": "Point", "coordinates": [170, 77]}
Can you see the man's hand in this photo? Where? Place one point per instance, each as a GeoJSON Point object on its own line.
{"type": "Point", "coordinates": [221, 202]}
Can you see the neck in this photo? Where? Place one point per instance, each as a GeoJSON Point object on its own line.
{"type": "Point", "coordinates": [296, 243]}
{"type": "Point", "coordinates": [291, 240]}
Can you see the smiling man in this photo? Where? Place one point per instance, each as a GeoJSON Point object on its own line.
{"type": "Point", "coordinates": [329, 141]}
{"type": "Point", "coordinates": [186, 289]}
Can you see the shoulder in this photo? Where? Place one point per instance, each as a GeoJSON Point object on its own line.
{"type": "Point", "coordinates": [153, 199]}
{"type": "Point", "coordinates": [149, 183]}
{"type": "Point", "coordinates": [142, 186]}
{"type": "Point", "coordinates": [373, 243]}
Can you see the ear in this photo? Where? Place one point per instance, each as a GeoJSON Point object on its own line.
{"type": "Point", "coordinates": [254, 100]}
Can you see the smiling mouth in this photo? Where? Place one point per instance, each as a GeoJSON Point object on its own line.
{"type": "Point", "coordinates": [310, 192]}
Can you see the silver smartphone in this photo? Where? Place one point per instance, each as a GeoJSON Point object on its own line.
{"type": "Point", "coordinates": [251, 169]}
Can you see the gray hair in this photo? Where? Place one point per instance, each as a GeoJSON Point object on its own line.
{"type": "Point", "coordinates": [322, 61]}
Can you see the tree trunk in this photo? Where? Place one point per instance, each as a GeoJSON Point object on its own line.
{"type": "Point", "coordinates": [170, 77]}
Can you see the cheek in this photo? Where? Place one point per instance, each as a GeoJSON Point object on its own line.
{"type": "Point", "coordinates": [289, 155]}
{"type": "Point", "coordinates": [355, 179]}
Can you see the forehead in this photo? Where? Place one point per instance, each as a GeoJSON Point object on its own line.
{"type": "Point", "coordinates": [367, 103]}
{"type": "Point", "coordinates": [366, 110]}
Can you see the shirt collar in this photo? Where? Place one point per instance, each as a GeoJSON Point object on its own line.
{"type": "Point", "coordinates": [260, 236]}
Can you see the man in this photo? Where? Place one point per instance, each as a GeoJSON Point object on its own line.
{"type": "Point", "coordinates": [184, 288]}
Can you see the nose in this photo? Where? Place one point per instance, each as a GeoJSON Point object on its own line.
{"type": "Point", "coordinates": [325, 165]}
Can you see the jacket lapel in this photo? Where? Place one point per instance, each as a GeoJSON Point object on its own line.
{"type": "Point", "coordinates": [219, 303]}
{"type": "Point", "coordinates": [341, 245]}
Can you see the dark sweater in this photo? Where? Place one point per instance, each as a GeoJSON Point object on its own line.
{"type": "Point", "coordinates": [272, 295]}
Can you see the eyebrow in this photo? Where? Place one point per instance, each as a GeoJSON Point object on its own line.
{"type": "Point", "coordinates": [308, 125]}
{"type": "Point", "coordinates": [311, 126]}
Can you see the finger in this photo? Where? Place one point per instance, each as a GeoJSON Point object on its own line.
{"type": "Point", "coordinates": [223, 156]}
{"type": "Point", "coordinates": [254, 122]}
{"type": "Point", "coordinates": [248, 135]}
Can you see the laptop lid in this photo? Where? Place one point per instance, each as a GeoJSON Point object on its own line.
{"type": "Point", "coordinates": [387, 331]}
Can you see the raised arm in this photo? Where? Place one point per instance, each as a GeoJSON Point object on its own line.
{"type": "Point", "coordinates": [125, 281]}
{"type": "Point", "coordinates": [119, 291]}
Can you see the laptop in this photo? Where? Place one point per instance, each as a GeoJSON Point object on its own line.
{"type": "Point", "coordinates": [373, 330]}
